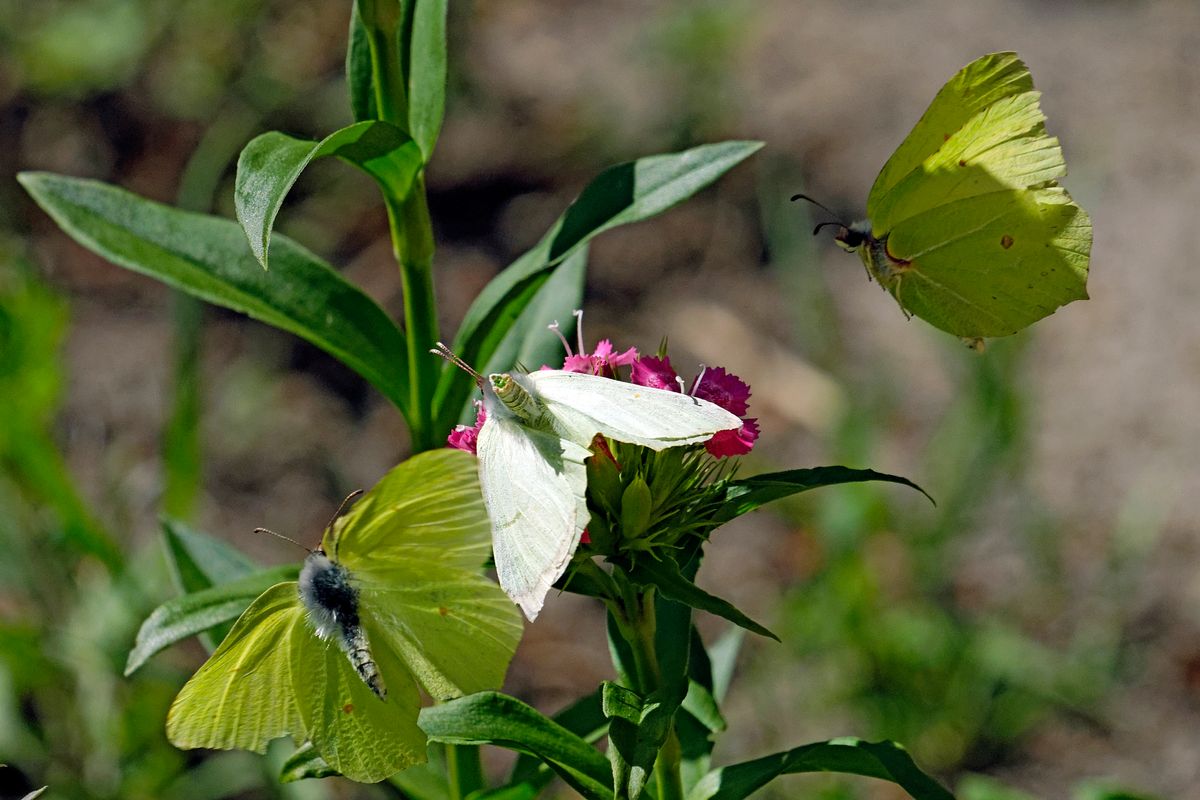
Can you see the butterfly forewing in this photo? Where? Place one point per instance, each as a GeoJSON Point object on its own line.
{"type": "Point", "coordinates": [1004, 146]}
{"type": "Point", "coordinates": [534, 486]}
{"type": "Point", "coordinates": [584, 405]}
{"type": "Point", "coordinates": [977, 86]}
{"type": "Point", "coordinates": [242, 696]}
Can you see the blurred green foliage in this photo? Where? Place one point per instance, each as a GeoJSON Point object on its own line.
{"type": "Point", "coordinates": [882, 629]}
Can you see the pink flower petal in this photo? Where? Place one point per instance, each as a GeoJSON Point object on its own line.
{"type": "Point", "coordinates": [735, 442]}
{"type": "Point", "coordinates": [723, 389]}
{"type": "Point", "coordinates": [655, 373]}
{"type": "Point", "coordinates": [466, 437]}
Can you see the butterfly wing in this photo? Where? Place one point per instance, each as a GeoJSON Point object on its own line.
{"type": "Point", "coordinates": [1005, 146]}
{"type": "Point", "coordinates": [584, 405]}
{"type": "Point", "coordinates": [990, 265]}
{"type": "Point", "coordinates": [416, 544]}
{"type": "Point", "coordinates": [979, 85]}
{"type": "Point", "coordinates": [242, 697]}
{"type": "Point", "coordinates": [361, 736]}
{"type": "Point", "coordinates": [533, 487]}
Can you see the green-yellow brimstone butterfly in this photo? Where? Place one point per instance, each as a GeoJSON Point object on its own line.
{"type": "Point", "coordinates": [393, 600]}
{"type": "Point", "coordinates": [967, 227]}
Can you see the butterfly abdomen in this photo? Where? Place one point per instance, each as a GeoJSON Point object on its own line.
{"type": "Point", "coordinates": [329, 596]}
{"type": "Point", "coordinates": [358, 650]}
{"type": "Point", "coordinates": [515, 397]}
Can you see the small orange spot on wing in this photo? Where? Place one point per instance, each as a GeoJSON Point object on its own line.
{"type": "Point", "coordinates": [443, 610]}
{"type": "Point", "coordinates": [1006, 241]}
{"type": "Point", "coordinates": [348, 708]}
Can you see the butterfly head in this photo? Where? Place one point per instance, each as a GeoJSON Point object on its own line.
{"type": "Point", "coordinates": [852, 237]}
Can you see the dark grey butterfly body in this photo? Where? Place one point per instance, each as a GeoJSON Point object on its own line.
{"type": "Point", "coordinates": [329, 596]}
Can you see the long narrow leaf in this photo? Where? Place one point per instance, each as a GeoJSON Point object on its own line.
{"type": "Point", "coordinates": [272, 162]}
{"type": "Point", "coordinates": [427, 73]}
{"type": "Point", "coordinates": [207, 257]}
{"type": "Point", "coordinates": [189, 614]}
{"type": "Point", "coordinates": [626, 193]}
{"type": "Point", "coordinates": [494, 718]}
{"type": "Point", "coordinates": [665, 575]}
{"type": "Point", "coordinates": [748, 494]}
{"type": "Point", "coordinates": [359, 75]}
{"type": "Point", "coordinates": [885, 760]}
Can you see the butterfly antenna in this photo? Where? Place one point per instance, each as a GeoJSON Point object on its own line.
{"type": "Point", "coordinates": [338, 513]}
{"type": "Point", "coordinates": [342, 507]}
{"type": "Point", "coordinates": [448, 354]}
{"type": "Point", "coordinates": [817, 229]}
{"type": "Point", "coordinates": [824, 208]}
{"type": "Point", "coordinates": [285, 538]}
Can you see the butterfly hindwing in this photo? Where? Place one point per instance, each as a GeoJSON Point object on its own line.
{"type": "Point", "coordinates": [414, 545]}
{"type": "Point", "coordinates": [991, 265]}
{"type": "Point", "coordinates": [242, 696]}
{"type": "Point", "coordinates": [534, 485]}
{"type": "Point", "coordinates": [584, 405]}
{"type": "Point", "coordinates": [360, 735]}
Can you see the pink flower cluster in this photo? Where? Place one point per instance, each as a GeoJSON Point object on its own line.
{"type": "Point", "coordinates": [713, 384]}
{"type": "Point", "coordinates": [716, 386]}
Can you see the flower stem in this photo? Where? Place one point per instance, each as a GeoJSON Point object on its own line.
{"type": "Point", "coordinates": [412, 244]}
{"type": "Point", "coordinates": [640, 626]}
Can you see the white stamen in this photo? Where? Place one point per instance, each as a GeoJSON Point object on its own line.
{"type": "Point", "coordinates": [682, 387]}
{"type": "Point", "coordinates": [579, 329]}
{"type": "Point", "coordinates": [553, 326]}
{"type": "Point", "coordinates": [700, 377]}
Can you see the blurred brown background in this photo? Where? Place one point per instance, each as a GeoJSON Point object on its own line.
{"type": "Point", "coordinates": [1053, 594]}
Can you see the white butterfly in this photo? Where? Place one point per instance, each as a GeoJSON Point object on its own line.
{"type": "Point", "coordinates": [532, 449]}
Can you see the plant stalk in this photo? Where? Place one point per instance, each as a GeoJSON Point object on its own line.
{"type": "Point", "coordinates": [412, 245]}
{"type": "Point", "coordinates": [640, 621]}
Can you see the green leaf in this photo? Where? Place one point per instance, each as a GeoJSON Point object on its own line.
{"type": "Point", "coordinates": [629, 192]}
{"type": "Point", "coordinates": [305, 763]}
{"type": "Point", "coordinates": [665, 575]}
{"type": "Point", "coordinates": [748, 494]}
{"type": "Point", "coordinates": [494, 718]}
{"type": "Point", "coordinates": [207, 257]}
{"type": "Point", "coordinates": [637, 190]}
{"type": "Point", "coordinates": [185, 616]}
{"type": "Point", "coordinates": [424, 781]}
{"type": "Point", "coordinates": [427, 73]}
{"type": "Point", "coordinates": [358, 68]}
{"type": "Point", "coordinates": [637, 729]}
{"type": "Point", "coordinates": [271, 163]}
{"type": "Point", "coordinates": [885, 760]}
{"type": "Point", "coordinates": [198, 561]}
{"type": "Point", "coordinates": [584, 718]}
